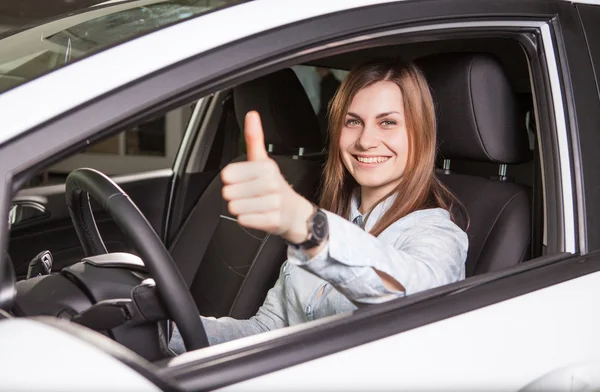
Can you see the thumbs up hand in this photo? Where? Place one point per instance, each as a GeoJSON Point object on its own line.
{"type": "Point", "coordinates": [258, 194]}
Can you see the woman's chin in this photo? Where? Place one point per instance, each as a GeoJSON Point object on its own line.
{"type": "Point", "coordinates": [377, 186]}
{"type": "Point", "coordinates": [370, 184]}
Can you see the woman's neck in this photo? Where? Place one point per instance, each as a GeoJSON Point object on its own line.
{"type": "Point", "coordinates": [369, 197]}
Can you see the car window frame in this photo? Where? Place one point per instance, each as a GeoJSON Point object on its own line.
{"type": "Point", "coordinates": [548, 92]}
{"type": "Point", "coordinates": [587, 16]}
{"type": "Point", "coordinates": [98, 126]}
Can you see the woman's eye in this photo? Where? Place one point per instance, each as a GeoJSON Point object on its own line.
{"type": "Point", "coordinates": [388, 123]}
{"type": "Point", "coordinates": [352, 121]}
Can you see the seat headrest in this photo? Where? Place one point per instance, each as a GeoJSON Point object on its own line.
{"type": "Point", "coordinates": [288, 119]}
{"type": "Point", "coordinates": [477, 110]}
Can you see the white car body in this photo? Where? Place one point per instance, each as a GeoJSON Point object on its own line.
{"type": "Point", "coordinates": [508, 345]}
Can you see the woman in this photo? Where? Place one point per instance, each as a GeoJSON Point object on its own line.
{"type": "Point", "coordinates": [399, 238]}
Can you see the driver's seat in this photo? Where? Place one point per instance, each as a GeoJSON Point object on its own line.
{"type": "Point", "coordinates": [228, 268]}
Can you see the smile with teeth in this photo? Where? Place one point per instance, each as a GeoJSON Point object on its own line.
{"type": "Point", "coordinates": [371, 159]}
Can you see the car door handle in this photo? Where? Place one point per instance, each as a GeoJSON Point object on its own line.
{"type": "Point", "coordinates": [27, 210]}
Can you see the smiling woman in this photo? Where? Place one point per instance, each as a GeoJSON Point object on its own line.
{"type": "Point", "coordinates": [383, 116]}
{"type": "Point", "coordinates": [380, 175]}
{"type": "Point", "coordinates": [516, 100]}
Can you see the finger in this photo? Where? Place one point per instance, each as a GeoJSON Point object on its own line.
{"type": "Point", "coordinates": [259, 187]}
{"type": "Point", "coordinates": [254, 205]}
{"type": "Point", "coordinates": [255, 139]}
{"type": "Point", "coordinates": [246, 171]}
{"type": "Point", "coordinates": [270, 222]}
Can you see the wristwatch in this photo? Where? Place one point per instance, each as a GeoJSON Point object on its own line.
{"type": "Point", "coordinates": [318, 230]}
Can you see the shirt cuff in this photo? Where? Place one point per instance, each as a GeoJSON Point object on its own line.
{"type": "Point", "coordinates": [298, 257]}
{"type": "Point", "coordinates": [359, 282]}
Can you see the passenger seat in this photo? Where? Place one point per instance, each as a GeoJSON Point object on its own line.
{"type": "Point", "coordinates": [479, 120]}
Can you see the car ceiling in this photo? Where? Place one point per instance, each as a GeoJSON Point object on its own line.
{"type": "Point", "coordinates": [509, 51]}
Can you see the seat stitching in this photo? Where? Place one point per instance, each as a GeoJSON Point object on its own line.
{"type": "Point", "coordinates": [232, 269]}
{"type": "Point", "coordinates": [260, 248]}
{"type": "Point", "coordinates": [496, 220]}
{"type": "Point", "coordinates": [527, 244]}
{"type": "Point", "coordinates": [470, 76]}
{"type": "Point", "coordinates": [290, 176]}
{"type": "Point", "coordinates": [240, 226]}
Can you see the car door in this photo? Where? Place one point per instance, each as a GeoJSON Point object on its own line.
{"type": "Point", "coordinates": [505, 330]}
{"type": "Point", "coordinates": [378, 340]}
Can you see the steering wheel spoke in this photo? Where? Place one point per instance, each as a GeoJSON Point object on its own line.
{"type": "Point", "coordinates": [82, 184]}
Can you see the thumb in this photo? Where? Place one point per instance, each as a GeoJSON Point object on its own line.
{"type": "Point", "coordinates": [255, 139]}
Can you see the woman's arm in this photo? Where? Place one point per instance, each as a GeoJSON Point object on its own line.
{"type": "Point", "coordinates": [270, 316]}
{"type": "Point", "coordinates": [427, 251]}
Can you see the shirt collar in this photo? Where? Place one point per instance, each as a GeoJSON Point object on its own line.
{"type": "Point", "coordinates": [354, 204]}
{"type": "Point", "coordinates": [375, 214]}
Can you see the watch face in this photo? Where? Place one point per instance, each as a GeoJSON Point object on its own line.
{"type": "Point", "coordinates": [319, 226]}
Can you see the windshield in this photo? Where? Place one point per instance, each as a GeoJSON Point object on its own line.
{"type": "Point", "coordinates": [24, 56]}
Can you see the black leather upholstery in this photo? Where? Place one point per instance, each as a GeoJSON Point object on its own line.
{"type": "Point", "coordinates": [500, 221]}
{"type": "Point", "coordinates": [479, 120]}
{"type": "Point", "coordinates": [240, 265]}
{"type": "Point", "coordinates": [478, 114]}
{"type": "Point", "coordinates": [288, 119]}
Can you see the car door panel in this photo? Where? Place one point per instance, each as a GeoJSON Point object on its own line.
{"type": "Point", "coordinates": [54, 230]}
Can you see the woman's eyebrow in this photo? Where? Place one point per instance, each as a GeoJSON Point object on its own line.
{"type": "Point", "coordinates": [378, 116]}
{"type": "Point", "coordinates": [385, 114]}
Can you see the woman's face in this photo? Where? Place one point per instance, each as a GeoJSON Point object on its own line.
{"type": "Point", "coordinates": [374, 139]}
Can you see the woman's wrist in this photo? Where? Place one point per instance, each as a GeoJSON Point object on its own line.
{"type": "Point", "coordinates": [312, 252]}
{"type": "Point", "coordinates": [298, 231]}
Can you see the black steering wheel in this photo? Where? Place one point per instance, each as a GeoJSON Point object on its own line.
{"type": "Point", "coordinates": [83, 183]}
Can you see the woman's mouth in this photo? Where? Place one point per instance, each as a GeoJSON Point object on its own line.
{"type": "Point", "coordinates": [370, 160]}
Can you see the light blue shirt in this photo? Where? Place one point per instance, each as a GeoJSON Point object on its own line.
{"type": "Point", "coordinates": [422, 250]}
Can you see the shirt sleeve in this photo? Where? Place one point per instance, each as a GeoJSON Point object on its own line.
{"type": "Point", "coordinates": [270, 316]}
{"type": "Point", "coordinates": [430, 252]}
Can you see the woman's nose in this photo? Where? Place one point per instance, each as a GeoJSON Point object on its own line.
{"type": "Point", "coordinates": [368, 138]}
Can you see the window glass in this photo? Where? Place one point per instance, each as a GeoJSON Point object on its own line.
{"type": "Point", "coordinates": [319, 83]}
{"type": "Point", "coordinates": [26, 56]}
{"type": "Point", "coordinates": [149, 145]}
{"type": "Point", "coordinates": [147, 138]}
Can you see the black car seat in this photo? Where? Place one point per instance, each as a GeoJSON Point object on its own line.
{"type": "Point", "coordinates": [479, 120]}
{"type": "Point", "coordinates": [230, 268]}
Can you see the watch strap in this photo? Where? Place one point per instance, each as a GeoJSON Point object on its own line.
{"type": "Point", "coordinates": [311, 241]}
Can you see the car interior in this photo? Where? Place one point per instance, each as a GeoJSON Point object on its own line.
{"type": "Point", "coordinates": [488, 157]}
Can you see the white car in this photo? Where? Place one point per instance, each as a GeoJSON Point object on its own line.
{"type": "Point", "coordinates": [517, 97]}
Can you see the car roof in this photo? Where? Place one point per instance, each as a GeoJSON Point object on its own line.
{"type": "Point", "coordinates": [55, 93]}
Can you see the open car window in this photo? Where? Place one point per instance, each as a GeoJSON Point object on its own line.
{"type": "Point", "coordinates": [362, 337]}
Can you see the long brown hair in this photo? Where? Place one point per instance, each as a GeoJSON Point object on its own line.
{"type": "Point", "coordinates": [419, 188]}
